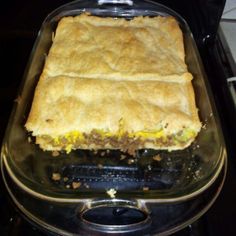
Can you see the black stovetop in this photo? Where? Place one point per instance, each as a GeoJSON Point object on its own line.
{"type": "Point", "coordinates": [20, 22]}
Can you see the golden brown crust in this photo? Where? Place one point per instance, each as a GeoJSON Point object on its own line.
{"type": "Point", "coordinates": [142, 48]}
{"type": "Point", "coordinates": [64, 104]}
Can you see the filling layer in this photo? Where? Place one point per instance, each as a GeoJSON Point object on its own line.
{"type": "Point", "coordinates": [120, 140]}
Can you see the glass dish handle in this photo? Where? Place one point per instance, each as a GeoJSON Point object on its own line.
{"type": "Point", "coordinates": [115, 216]}
{"type": "Point", "coordinates": [126, 2]}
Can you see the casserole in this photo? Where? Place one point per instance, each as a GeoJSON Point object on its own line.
{"type": "Point", "coordinates": [153, 176]}
{"type": "Point", "coordinates": [130, 92]}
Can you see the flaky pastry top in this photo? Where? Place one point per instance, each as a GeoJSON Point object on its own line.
{"type": "Point", "coordinates": [141, 48]}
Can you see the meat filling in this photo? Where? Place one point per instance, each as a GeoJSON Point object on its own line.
{"type": "Point", "coordinates": [124, 142]}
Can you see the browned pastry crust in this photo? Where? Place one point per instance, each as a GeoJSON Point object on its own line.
{"type": "Point", "coordinates": [142, 48]}
{"type": "Point", "coordinates": [113, 83]}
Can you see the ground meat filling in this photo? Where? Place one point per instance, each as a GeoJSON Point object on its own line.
{"type": "Point", "coordinates": [122, 142]}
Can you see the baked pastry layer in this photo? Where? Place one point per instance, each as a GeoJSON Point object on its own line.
{"type": "Point", "coordinates": [137, 49]}
{"type": "Point", "coordinates": [69, 109]}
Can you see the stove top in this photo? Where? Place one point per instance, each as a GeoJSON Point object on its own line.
{"type": "Point", "coordinates": [19, 22]}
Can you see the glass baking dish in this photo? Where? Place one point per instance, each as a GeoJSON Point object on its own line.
{"type": "Point", "coordinates": [82, 174]}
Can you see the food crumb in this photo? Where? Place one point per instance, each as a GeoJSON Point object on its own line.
{"type": "Point", "coordinates": [56, 176]}
{"type": "Point", "coordinates": [65, 179]}
{"type": "Point", "coordinates": [100, 166]}
{"type": "Point", "coordinates": [157, 157]}
{"type": "Point", "coordinates": [112, 192]}
{"type": "Point", "coordinates": [130, 161]}
{"type": "Point", "coordinates": [86, 185]}
{"type": "Point", "coordinates": [18, 99]}
{"type": "Point", "coordinates": [197, 173]}
{"type": "Point", "coordinates": [29, 139]}
{"type": "Point", "coordinates": [145, 188]}
{"type": "Point", "coordinates": [67, 186]}
{"type": "Point", "coordinates": [55, 153]}
{"type": "Point", "coordinates": [76, 185]}
{"type": "Point", "coordinates": [122, 157]}
{"type": "Point", "coordinates": [53, 36]}
{"type": "Point", "coordinates": [95, 152]}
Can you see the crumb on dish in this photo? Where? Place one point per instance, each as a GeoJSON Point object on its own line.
{"type": "Point", "coordinates": [112, 192]}
{"type": "Point", "coordinates": [56, 176]}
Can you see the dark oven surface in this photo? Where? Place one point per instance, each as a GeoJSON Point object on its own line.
{"type": "Point", "coordinates": [20, 22]}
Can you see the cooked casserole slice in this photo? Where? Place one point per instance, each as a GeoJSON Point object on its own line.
{"type": "Point", "coordinates": [72, 113]}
